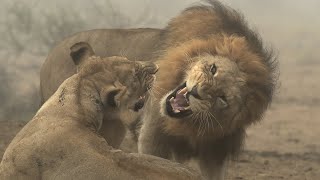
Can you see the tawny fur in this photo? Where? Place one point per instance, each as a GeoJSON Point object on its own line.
{"type": "Point", "coordinates": [198, 31]}
{"type": "Point", "coordinates": [202, 34]}
{"type": "Point", "coordinates": [62, 140]}
{"type": "Point", "coordinates": [135, 44]}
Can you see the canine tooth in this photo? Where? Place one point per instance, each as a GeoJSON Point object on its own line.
{"type": "Point", "coordinates": [176, 111]}
{"type": "Point", "coordinates": [184, 90]}
{"type": "Point", "coordinates": [172, 99]}
{"type": "Point", "coordinates": [187, 108]}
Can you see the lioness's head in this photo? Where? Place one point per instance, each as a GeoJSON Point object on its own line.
{"type": "Point", "coordinates": [220, 85]}
{"type": "Point", "coordinates": [122, 85]}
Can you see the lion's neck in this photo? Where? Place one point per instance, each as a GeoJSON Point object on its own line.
{"type": "Point", "coordinates": [77, 99]}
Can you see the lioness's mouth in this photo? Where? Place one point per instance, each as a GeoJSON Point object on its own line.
{"type": "Point", "coordinates": [177, 103]}
{"type": "Point", "coordinates": [139, 104]}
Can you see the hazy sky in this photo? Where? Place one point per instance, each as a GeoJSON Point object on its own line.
{"type": "Point", "coordinates": [305, 13]}
{"type": "Point", "coordinates": [277, 20]}
{"type": "Point", "coordinates": [292, 27]}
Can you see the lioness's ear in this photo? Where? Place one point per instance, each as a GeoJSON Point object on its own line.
{"type": "Point", "coordinates": [111, 95]}
{"type": "Point", "coordinates": [80, 51]}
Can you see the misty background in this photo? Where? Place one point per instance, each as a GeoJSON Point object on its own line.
{"type": "Point", "coordinates": [29, 29]}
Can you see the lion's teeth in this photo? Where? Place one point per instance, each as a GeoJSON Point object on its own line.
{"type": "Point", "coordinates": [172, 99]}
{"type": "Point", "coordinates": [176, 111]}
{"type": "Point", "coordinates": [183, 91]}
{"type": "Point", "coordinates": [187, 108]}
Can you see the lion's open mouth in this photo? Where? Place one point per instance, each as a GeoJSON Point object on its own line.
{"type": "Point", "coordinates": [177, 103]}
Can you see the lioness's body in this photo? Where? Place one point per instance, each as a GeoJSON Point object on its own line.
{"type": "Point", "coordinates": [55, 140]}
{"type": "Point", "coordinates": [62, 140]}
{"type": "Point", "coordinates": [62, 144]}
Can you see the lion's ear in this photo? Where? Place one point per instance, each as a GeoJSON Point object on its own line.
{"type": "Point", "coordinates": [80, 52]}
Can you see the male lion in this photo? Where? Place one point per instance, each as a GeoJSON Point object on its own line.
{"type": "Point", "coordinates": [61, 141]}
{"type": "Point", "coordinates": [215, 80]}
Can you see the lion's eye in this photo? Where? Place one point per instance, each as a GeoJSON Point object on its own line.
{"type": "Point", "coordinates": [213, 69]}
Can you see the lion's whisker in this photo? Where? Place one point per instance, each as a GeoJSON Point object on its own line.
{"type": "Point", "coordinates": [208, 120]}
{"type": "Point", "coordinates": [211, 121]}
{"type": "Point", "coordinates": [200, 124]}
{"type": "Point", "coordinates": [204, 122]}
{"type": "Point", "coordinates": [217, 122]}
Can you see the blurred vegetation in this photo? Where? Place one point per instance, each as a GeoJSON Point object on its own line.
{"type": "Point", "coordinates": [28, 32]}
{"type": "Point", "coordinates": [36, 31]}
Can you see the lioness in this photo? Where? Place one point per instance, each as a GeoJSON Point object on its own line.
{"type": "Point", "coordinates": [61, 141]}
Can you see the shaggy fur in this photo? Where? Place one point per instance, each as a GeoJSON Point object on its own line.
{"type": "Point", "coordinates": [135, 44]}
{"type": "Point", "coordinates": [200, 37]}
{"type": "Point", "coordinates": [62, 140]}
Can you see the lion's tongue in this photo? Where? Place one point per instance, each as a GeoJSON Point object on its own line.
{"type": "Point", "coordinates": [180, 102]}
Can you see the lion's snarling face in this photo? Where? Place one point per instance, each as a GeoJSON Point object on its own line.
{"type": "Point", "coordinates": [211, 92]}
{"type": "Point", "coordinates": [220, 90]}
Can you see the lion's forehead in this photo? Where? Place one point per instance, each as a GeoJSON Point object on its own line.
{"type": "Point", "coordinates": [226, 69]}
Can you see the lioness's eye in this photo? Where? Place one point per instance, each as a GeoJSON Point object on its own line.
{"type": "Point", "coordinates": [213, 69]}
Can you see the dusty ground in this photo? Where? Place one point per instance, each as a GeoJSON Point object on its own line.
{"type": "Point", "coordinates": [285, 145]}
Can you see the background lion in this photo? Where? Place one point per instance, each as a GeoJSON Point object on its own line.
{"type": "Point", "coordinates": [216, 78]}
{"type": "Point", "coordinates": [61, 141]}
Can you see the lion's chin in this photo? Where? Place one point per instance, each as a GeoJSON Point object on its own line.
{"type": "Point", "coordinates": [177, 103]}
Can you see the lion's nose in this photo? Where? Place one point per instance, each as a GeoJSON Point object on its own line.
{"type": "Point", "coordinates": [194, 92]}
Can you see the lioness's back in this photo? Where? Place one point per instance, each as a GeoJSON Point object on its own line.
{"type": "Point", "coordinates": [135, 44]}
